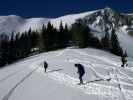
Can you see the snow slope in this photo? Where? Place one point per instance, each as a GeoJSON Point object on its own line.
{"type": "Point", "coordinates": [13, 23]}
{"type": "Point", "coordinates": [69, 19]}
{"type": "Point", "coordinates": [10, 23]}
{"type": "Point", "coordinates": [26, 80]}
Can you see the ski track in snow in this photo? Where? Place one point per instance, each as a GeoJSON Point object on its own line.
{"type": "Point", "coordinates": [122, 92]}
{"type": "Point", "coordinates": [10, 75]}
{"type": "Point", "coordinates": [97, 57]}
{"type": "Point", "coordinates": [97, 75]}
{"type": "Point", "coordinates": [89, 88]}
{"type": "Point", "coordinates": [106, 61]}
{"type": "Point", "coordinates": [7, 96]}
{"type": "Point", "coordinates": [100, 76]}
{"type": "Point", "coordinates": [116, 68]}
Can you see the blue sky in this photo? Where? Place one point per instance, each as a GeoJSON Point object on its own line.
{"type": "Point", "coordinates": [56, 8]}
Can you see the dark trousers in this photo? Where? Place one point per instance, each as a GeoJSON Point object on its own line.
{"type": "Point", "coordinates": [45, 69]}
{"type": "Point", "coordinates": [80, 78]}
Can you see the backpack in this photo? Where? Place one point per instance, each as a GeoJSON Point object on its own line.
{"type": "Point", "coordinates": [81, 69]}
{"type": "Point", "coordinates": [45, 65]}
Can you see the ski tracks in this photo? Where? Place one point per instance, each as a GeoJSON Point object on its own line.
{"type": "Point", "coordinates": [88, 88]}
{"type": "Point", "coordinates": [100, 90]}
{"type": "Point", "coordinates": [91, 67]}
{"type": "Point", "coordinates": [10, 75]}
{"type": "Point", "coordinates": [7, 96]}
{"type": "Point", "coordinates": [105, 60]}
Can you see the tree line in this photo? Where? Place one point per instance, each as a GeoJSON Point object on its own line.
{"type": "Point", "coordinates": [21, 45]}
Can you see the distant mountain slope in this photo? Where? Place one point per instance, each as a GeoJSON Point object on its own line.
{"type": "Point", "coordinates": [10, 23]}
{"type": "Point", "coordinates": [70, 19]}
{"type": "Point", "coordinates": [13, 23]}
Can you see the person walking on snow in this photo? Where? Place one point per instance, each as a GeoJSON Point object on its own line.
{"type": "Point", "coordinates": [45, 66]}
{"type": "Point", "coordinates": [124, 60]}
{"type": "Point", "coordinates": [81, 72]}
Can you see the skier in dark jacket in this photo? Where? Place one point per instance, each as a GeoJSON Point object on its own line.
{"type": "Point", "coordinates": [81, 71]}
{"type": "Point", "coordinates": [45, 65]}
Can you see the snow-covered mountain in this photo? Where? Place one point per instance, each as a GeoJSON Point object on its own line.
{"type": "Point", "coordinates": [106, 19]}
{"type": "Point", "coordinates": [13, 23]}
{"type": "Point", "coordinates": [105, 78]}
{"type": "Point", "coordinates": [100, 21]}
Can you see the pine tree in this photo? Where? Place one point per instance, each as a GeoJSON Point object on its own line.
{"type": "Point", "coordinates": [4, 49]}
{"type": "Point", "coordinates": [80, 35]}
{"type": "Point", "coordinates": [12, 49]}
{"type": "Point", "coordinates": [45, 37]}
{"type": "Point", "coordinates": [67, 36]}
{"type": "Point", "coordinates": [94, 42]}
{"type": "Point", "coordinates": [62, 36]}
{"type": "Point", "coordinates": [106, 41]}
{"type": "Point", "coordinates": [17, 43]}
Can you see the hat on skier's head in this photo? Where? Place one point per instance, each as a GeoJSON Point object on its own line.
{"type": "Point", "coordinates": [77, 64]}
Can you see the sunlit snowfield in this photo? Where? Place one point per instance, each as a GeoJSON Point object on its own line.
{"type": "Point", "coordinates": [104, 78]}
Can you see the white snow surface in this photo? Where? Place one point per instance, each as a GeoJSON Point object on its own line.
{"type": "Point", "coordinates": [13, 23]}
{"type": "Point", "coordinates": [26, 79]}
{"type": "Point", "coordinates": [69, 19]}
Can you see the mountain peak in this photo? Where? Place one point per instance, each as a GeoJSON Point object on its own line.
{"type": "Point", "coordinates": [108, 10]}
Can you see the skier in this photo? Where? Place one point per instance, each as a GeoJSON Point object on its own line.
{"type": "Point", "coordinates": [81, 72]}
{"type": "Point", "coordinates": [124, 61]}
{"type": "Point", "coordinates": [45, 65]}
